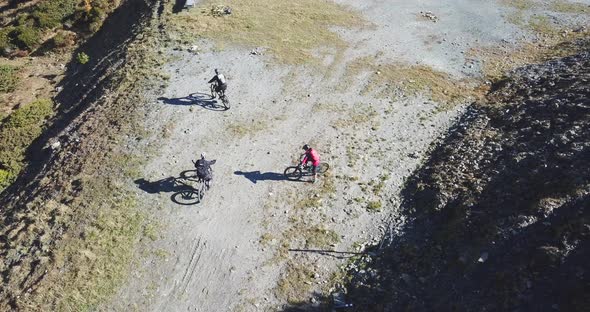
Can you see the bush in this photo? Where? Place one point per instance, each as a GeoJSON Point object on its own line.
{"type": "Point", "coordinates": [19, 130]}
{"type": "Point", "coordinates": [8, 78]}
{"type": "Point", "coordinates": [95, 18]}
{"type": "Point", "coordinates": [5, 40]}
{"type": "Point", "coordinates": [26, 37]}
{"type": "Point", "coordinates": [30, 26]}
{"type": "Point", "coordinates": [52, 13]}
{"type": "Point", "coordinates": [5, 179]}
{"type": "Point", "coordinates": [83, 58]}
{"type": "Point", "coordinates": [374, 206]}
{"type": "Point", "coordinates": [59, 40]}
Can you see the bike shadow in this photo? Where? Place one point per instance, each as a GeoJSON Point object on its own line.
{"type": "Point", "coordinates": [169, 185]}
{"type": "Point", "coordinates": [255, 176]}
{"type": "Point", "coordinates": [201, 99]}
{"type": "Point", "coordinates": [165, 185]}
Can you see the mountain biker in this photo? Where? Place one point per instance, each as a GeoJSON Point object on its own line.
{"type": "Point", "coordinates": [204, 170]}
{"type": "Point", "coordinates": [221, 82]}
{"type": "Point", "coordinates": [312, 156]}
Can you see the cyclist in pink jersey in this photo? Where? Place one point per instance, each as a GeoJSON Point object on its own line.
{"type": "Point", "coordinates": [311, 155]}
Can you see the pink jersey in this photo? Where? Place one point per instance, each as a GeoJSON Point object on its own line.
{"type": "Point", "coordinates": [313, 156]}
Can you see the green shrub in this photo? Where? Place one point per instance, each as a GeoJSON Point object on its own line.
{"type": "Point", "coordinates": [5, 39]}
{"type": "Point", "coordinates": [8, 78]}
{"type": "Point", "coordinates": [46, 21]}
{"type": "Point", "coordinates": [95, 18]}
{"type": "Point", "coordinates": [31, 26]}
{"type": "Point", "coordinates": [82, 58]}
{"type": "Point", "coordinates": [59, 40]}
{"type": "Point", "coordinates": [374, 206]}
{"type": "Point", "coordinates": [19, 130]}
{"type": "Point", "coordinates": [26, 37]}
{"type": "Point", "coordinates": [5, 178]}
{"type": "Point", "coordinates": [52, 13]}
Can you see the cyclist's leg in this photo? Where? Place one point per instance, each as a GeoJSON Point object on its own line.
{"type": "Point", "coordinates": [208, 179]}
{"type": "Point", "coordinates": [213, 90]}
{"type": "Point", "coordinates": [314, 171]}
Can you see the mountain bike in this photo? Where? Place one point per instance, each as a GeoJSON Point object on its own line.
{"type": "Point", "coordinates": [222, 95]}
{"type": "Point", "coordinates": [295, 173]}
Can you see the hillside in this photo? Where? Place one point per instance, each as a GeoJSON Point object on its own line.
{"type": "Point", "coordinates": [499, 212]}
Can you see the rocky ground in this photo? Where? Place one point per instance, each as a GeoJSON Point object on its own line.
{"type": "Point", "coordinates": [499, 212]}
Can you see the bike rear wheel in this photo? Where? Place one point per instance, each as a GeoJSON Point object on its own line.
{"type": "Point", "coordinates": [293, 173]}
{"type": "Point", "coordinates": [187, 197]}
{"type": "Point", "coordinates": [213, 93]}
{"type": "Point", "coordinates": [323, 167]}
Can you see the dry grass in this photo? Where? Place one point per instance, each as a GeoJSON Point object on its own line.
{"type": "Point", "coordinates": [563, 6]}
{"type": "Point", "coordinates": [498, 61]}
{"type": "Point", "coordinates": [519, 4]}
{"type": "Point", "coordinates": [97, 231]}
{"type": "Point", "coordinates": [352, 153]}
{"type": "Point", "coordinates": [393, 80]}
{"type": "Point", "coordinates": [266, 239]}
{"type": "Point", "coordinates": [309, 202]}
{"type": "Point", "coordinates": [516, 18]}
{"type": "Point", "coordinates": [328, 107]}
{"type": "Point", "coordinates": [290, 30]}
{"type": "Point", "coordinates": [543, 26]}
{"type": "Point", "coordinates": [8, 78]}
{"type": "Point", "coordinates": [374, 206]}
{"type": "Point", "coordinates": [295, 284]}
{"type": "Point", "coordinates": [362, 114]}
{"type": "Point", "coordinates": [540, 24]}
{"type": "Point", "coordinates": [19, 130]}
{"type": "Point", "coordinates": [242, 129]}
{"type": "Point", "coordinates": [558, 41]}
{"type": "Point", "coordinates": [319, 237]}
{"type": "Point", "coordinates": [96, 260]}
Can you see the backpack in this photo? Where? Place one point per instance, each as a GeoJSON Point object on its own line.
{"type": "Point", "coordinates": [204, 169]}
{"type": "Point", "coordinates": [221, 78]}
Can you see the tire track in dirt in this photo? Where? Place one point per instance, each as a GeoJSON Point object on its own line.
{"type": "Point", "coordinates": [190, 269]}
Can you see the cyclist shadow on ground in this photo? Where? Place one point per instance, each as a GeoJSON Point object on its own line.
{"type": "Point", "coordinates": [166, 185]}
{"type": "Point", "coordinates": [173, 185]}
{"type": "Point", "coordinates": [202, 99]}
{"type": "Point", "coordinates": [255, 176]}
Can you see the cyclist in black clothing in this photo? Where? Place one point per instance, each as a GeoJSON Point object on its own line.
{"type": "Point", "coordinates": [221, 82]}
{"type": "Point", "coordinates": [204, 170]}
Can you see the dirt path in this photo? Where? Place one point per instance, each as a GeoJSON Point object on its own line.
{"type": "Point", "coordinates": [210, 256]}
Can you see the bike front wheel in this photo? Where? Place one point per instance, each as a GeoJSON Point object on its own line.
{"type": "Point", "coordinates": [293, 173]}
{"type": "Point", "coordinates": [323, 167]}
{"type": "Point", "coordinates": [225, 101]}
{"type": "Point", "coordinates": [204, 186]}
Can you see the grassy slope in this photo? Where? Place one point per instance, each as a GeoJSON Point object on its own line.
{"type": "Point", "coordinates": [16, 133]}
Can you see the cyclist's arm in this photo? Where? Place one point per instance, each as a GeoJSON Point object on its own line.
{"type": "Point", "coordinates": [213, 79]}
{"type": "Point", "coordinates": [304, 159]}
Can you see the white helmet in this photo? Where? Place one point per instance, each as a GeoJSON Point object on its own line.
{"type": "Point", "coordinates": [203, 155]}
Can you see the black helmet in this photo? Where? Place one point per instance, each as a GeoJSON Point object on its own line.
{"type": "Point", "coordinates": [306, 147]}
{"type": "Point", "coordinates": [217, 71]}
